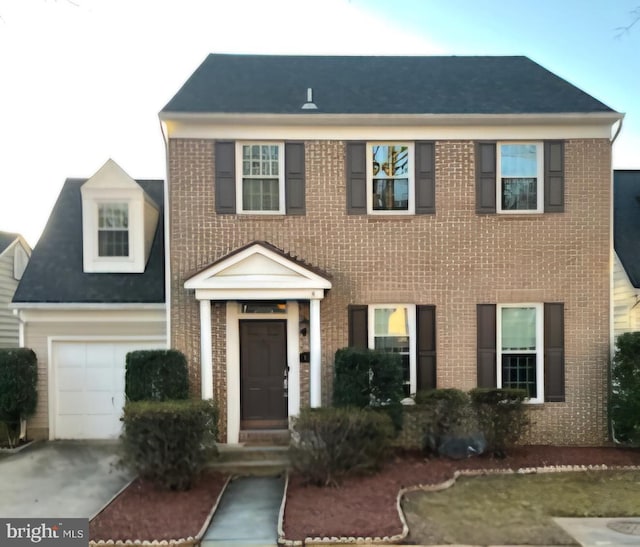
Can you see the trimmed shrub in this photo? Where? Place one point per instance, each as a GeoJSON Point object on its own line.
{"type": "Point", "coordinates": [329, 443]}
{"type": "Point", "coordinates": [169, 442]}
{"type": "Point", "coordinates": [156, 375]}
{"type": "Point", "coordinates": [501, 415]}
{"type": "Point", "coordinates": [448, 414]}
{"type": "Point", "coordinates": [18, 392]}
{"type": "Point", "coordinates": [625, 396]}
{"type": "Point", "coordinates": [368, 378]}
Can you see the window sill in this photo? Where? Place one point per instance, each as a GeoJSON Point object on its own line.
{"type": "Point", "coordinates": [253, 217]}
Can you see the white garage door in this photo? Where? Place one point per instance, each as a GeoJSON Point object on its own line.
{"type": "Point", "coordinates": [89, 387]}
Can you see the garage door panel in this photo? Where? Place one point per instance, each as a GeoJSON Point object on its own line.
{"type": "Point", "coordinates": [89, 385]}
{"type": "Point", "coordinates": [71, 403]}
{"type": "Point", "coordinates": [101, 379]}
{"type": "Point", "coordinates": [71, 379]}
{"type": "Point", "coordinates": [100, 355]}
{"type": "Point", "coordinates": [70, 355]}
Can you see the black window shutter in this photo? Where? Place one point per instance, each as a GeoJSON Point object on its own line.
{"type": "Point", "coordinates": [356, 178]}
{"type": "Point", "coordinates": [554, 352]}
{"type": "Point", "coordinates": [358, 326]}
{"type": "Point", "coordinates": [487, 374]}
{"type": "Point", "coordinates": [225, 183]}
{"type": "Point", "coordinates": [485, 177]}
{"type": "Point", "coordinates": [554, 176]}
{"type": "Point", "coordinates": [425, 174]}
{"type": "Point", "coordinates": [294, 181]}
{"type": "Point", "coordinates": [426, 346]}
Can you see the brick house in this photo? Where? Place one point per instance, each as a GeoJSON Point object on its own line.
{"type": "Point", "coordinates": [455, 210]}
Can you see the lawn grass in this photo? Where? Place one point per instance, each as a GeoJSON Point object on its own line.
{"type": "Point", "coordinates": [516, 509]}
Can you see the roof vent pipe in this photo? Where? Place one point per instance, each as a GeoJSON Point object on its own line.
{"type": "Point", "coordinates": [309, 105]}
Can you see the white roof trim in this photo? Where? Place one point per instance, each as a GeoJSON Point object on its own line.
{"type": "Point", "coordinates": [318, 118]}
{"type": "Point", "coordinates": [257, 272]}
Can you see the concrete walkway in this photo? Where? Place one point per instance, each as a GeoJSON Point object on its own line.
{"type": "Point", "coordinates": [248, 513]}
{"type": "Point", "coordinates": [592, 532]}
{"type": "Point", "coordinates": [60, 479]}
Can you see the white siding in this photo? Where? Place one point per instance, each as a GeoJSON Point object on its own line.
{"type": "Point", "coordinates": [626, 301]}
{"type": "Point", "coordinates": [8, 285]}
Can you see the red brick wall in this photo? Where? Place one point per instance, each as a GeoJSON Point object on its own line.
{"type": "Point", "coordinates": [453, 259]}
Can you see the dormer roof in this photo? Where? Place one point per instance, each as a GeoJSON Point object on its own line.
{"type": "Point", "coordinates": [55, 272]}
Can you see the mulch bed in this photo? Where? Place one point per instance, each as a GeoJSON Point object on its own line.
{"type": "Point", "coordinates": [143, 512]}
{"type": "Point", "coordinates": [360, 506]}
{"type": "Point", "coordinates": [366, 506]}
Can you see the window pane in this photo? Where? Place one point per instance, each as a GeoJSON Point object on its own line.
{"type": "Point", "coordinates": [260, 195]}
{"type": "Point", "coordinates": [390, 161]}
{"type": "Point", "coordinates": [519, 193]}
{"type": "Point", "coordinates": [518, 329]}
{"type": "Point", "coordinates": [391, 322]}
{"type": "Point", "coordinates": [518, 160]}
{"type": "Point", "coordinates": [113, 243]}
{"type": "Point", "coordinates": [390, 194]}
{"type": "Point", "coordinates": [519, 372]}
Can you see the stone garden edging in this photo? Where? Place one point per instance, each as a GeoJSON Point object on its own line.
{"type": "Point", "coordinates": [182, 542]}
{"type": "Point", "coordinates": [390, 540]}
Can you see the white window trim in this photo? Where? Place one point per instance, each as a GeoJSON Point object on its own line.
{"type": "Point", "coordinates": [540, 179]}
{"type": "Point", "coordinates": [100, 257]}
{"type": "Point", "coordinates": [95, 235]}
{"type": "Point", "coordinates": [411, 319]}
{"type": "Point", "coordinates": [539, 347]}
{"type": "Point", "coordinates": [281, 178]}
{"type": "Point", "coordinates": [410, 175]}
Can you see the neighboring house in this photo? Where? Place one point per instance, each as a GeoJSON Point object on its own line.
{"type": "Point", "coordinates": [453, 210]}
{"type": "Point", "coordinates": [626, 242]}
{"type": "Point", "coordinates": [14, 256]}
{"type": "Point", "coordinates": [93, 291]}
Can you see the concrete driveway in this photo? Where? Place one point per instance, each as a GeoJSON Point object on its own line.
{"type": "Point", "coordinates": [60, 479]}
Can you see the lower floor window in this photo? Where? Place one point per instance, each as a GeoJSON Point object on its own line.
{"type": "Point", "coordinates": [392, 330]}
{"type": "Point", "coordinates": [520, 347]}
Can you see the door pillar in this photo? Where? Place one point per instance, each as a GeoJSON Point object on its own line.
{"type": "Point", "coordinates": [206, 351]}
{"type": "Point", "coordinates": [315, 370]}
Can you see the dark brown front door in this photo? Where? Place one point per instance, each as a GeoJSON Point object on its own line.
{"type": "Point", "coordinates": [263, 361]}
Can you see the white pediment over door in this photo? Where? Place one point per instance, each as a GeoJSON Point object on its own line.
{"type": "Point", "coordinates": [258, 271]}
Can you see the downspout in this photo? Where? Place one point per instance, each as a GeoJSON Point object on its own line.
{"type": "Point", "coordinates": [167, 243]}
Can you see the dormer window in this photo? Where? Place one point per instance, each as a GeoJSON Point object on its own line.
{"type": "Point", "coordinates": [113, 229]}
{"type": "Point", "coordinates": [119, 222]}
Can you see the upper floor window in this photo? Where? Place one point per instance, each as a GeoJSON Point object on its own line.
{"type": "Point", "coordinates": [260, 187]}
{"type": "Point", "coordinates": [520, 177]}
{"type": "Point", "coordinates": [520, 348]}
{"type": "Point", "coordinates": [390, 178]}
{"type": "Point", "coordinates": [113, 229]}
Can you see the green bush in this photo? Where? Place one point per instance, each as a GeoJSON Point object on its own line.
{"type": "Point", "coordinates": [448, 412]}
{"type": "Point", "coordinates": [156, 375]}
{"type": "Point", "coordinates": [169, 442]}
{"type": "Point", "coordinates": [501, 415]}
{"type": "Point", "coordinates": [329, 443]}
{"type": "Point", "coordinates": [18, 393]}
{"type": "Point", "coordinates": [368, 378]}
{"type": "Point", "coordinates": [625, 396]}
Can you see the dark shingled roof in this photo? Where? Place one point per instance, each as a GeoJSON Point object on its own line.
{"type": "Point", "coordinates": [277, 84]}
{"type": "Point", "coordinates": [6, 239]}
{"type": "Point", "coordinates": [626, 222]}
{"type": "Point", "coordinates": [54, 273]}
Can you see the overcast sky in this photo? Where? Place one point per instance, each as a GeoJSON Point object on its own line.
{"type": "Point", "coordinates": [82, 81]}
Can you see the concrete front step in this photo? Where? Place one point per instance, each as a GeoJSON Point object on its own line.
{"type": "Point", "coordinates": [265, 437]}
{"type": "Point", "coordinates": [251, 460]}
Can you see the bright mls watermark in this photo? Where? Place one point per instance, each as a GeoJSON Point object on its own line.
{"type": "Point", "coordinates": [44, 532]}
